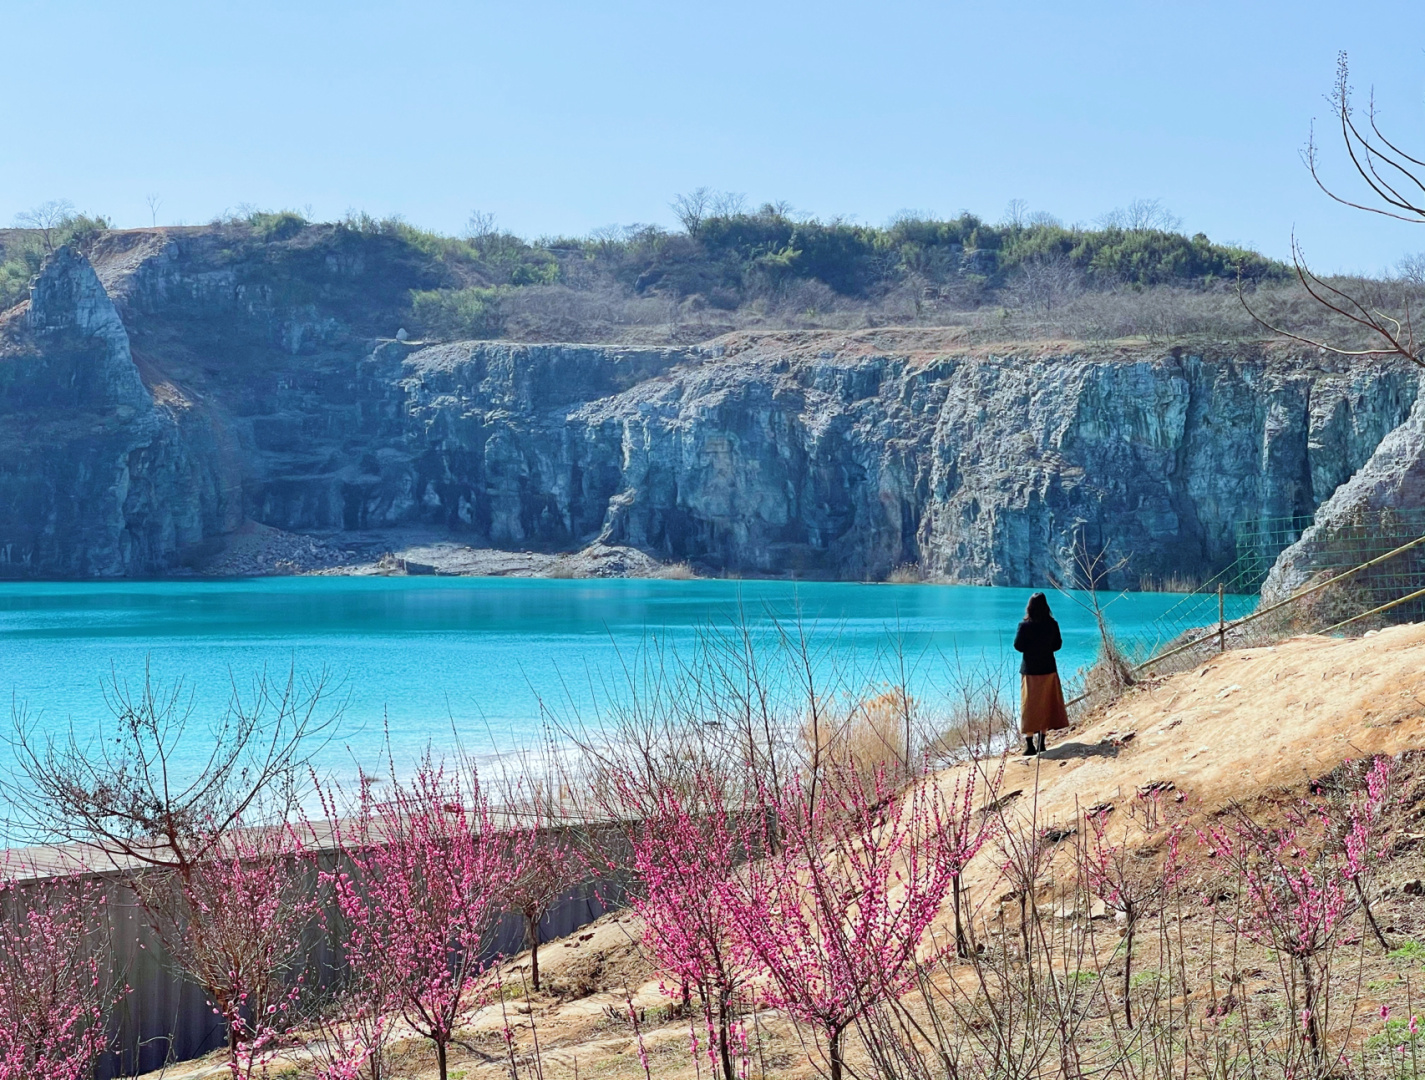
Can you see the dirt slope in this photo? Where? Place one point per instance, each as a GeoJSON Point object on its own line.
{"type": "Point", "coordinates": [1243, 724]}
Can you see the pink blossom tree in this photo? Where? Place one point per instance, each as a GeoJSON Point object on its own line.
{"type": "Point", "coordinates": [835, 919]}
{"type": "Point", "coordinates": [430, 869]}
{"type": "Point", "coordinates": [1364, 840]}
{"type": "Point", "coordinates": [965, 829]}
{"type": "Point", "coordinates": [55, 995]}
{"type": "Point", "coordinates": [1295, 904]}
{"type": "Point", "coordinates": [354, 1027]}
{"type": "Point", "coordinates": [686, 854]}
{"type": "Point", "coordinates": [549, 867]}
{"type": "Point", "coordinates": [1122, 869]}
{"type": "Point", "coordinates": [236, 923]}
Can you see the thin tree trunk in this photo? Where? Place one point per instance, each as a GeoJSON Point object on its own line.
{"type": "Point", "coordinates": [723, 1037]}
{"type": "Point", "coordinates": [1024, 928]}
{"type": "Point", "coordinates": [1312, 1036]}
{"type": "Point", "coordinates": [1128, 977]}
{"type": "Point", "coordinates": [962, 947]}
{"type": "Point", "coordinates": [531, 928]}
{"type": "Point", "coordinates": [1370, 915]}
{"type": "Point", "coordinates": [440, 1049]}
{"type": "Point", "coordinates": [833, 1047]}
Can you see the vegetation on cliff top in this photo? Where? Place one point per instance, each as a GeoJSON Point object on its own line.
{"type": "Point", "coordinates": [730, 255]}
{"type": "Point", "coordinates": [728, 267]}
{"type": "Point", "coordinates": [41, 230]}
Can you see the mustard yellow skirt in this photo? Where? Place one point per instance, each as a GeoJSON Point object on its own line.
{"type": "Point", "coordinates": [1041, 704]}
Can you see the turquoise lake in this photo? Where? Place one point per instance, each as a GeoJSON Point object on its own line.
{"type": "Point", "coordinates": [431, 656]}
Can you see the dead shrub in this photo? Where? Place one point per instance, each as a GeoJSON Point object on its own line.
{"type": "Point", "coordinates": [866, 738]}
{"type": "Point", "coordinates": [679, 571]}
{"type": "Point", "coordinates": [906, 574]}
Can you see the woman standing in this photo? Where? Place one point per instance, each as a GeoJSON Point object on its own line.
{"type": "Point", "coordinates": [1041, 697]}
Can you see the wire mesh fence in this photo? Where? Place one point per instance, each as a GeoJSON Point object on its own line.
{"type": "Point", "coordinates": [1259, 542]}
{"type": "Point", "coordinates": [1356, 576]}
{"type": "Point", "coordinates": [1232, 592]}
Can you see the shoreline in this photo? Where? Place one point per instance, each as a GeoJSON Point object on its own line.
{"type": "Point", "coordinates": [260, 551]}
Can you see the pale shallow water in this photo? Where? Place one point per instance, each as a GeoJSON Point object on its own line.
{"type": "Point", "coordinates": [436, 659]}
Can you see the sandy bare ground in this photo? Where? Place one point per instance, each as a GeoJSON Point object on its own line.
{"type": "Point", "coordinates": [255, 550]}
{"type": "Point", "coordinates": [1242, 724]}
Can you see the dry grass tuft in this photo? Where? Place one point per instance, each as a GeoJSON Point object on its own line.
{"type": "Point", "coordinates": [1171, 583]}
{"type": "Point", "coordinates": [679, 571]}
{"type": "Point", "coordinates": [906, 574]}
{"type": "Point", "coordinates": [1108, 679]}
{"type": "Point", "coordinates": [869, 736]}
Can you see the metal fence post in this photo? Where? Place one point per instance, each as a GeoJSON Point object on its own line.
{"type": "Point", "coordinates": [1221, 622]}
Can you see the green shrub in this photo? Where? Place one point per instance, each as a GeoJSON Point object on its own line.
{"type": "Point", "coordinates": [396, 227]}
{"type": "Point", "coordinates": [496, 258]}
{"type": "Point", "coordinates": [80, 230]}
{"type": "Point", "coordinates": [279, 225]}
{"type": "Point", "coordinates": [541, 271]}
{"type": "Point", "coordinates": [22, 257]}
{"type": "Point", "coordinates": [457, 314]}
{"type": "Point", "coordinates": [1138, 257]}
{"type": "Point", "coordinates": [755, 252]}
{"type": "Point", "coordinates": [16, 271]}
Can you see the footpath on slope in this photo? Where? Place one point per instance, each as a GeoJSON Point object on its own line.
{"type": "Point", "coordinates": [1242, 724]}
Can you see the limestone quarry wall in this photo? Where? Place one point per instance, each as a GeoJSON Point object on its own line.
{"type": "Point", "coordinates": [148, 409]}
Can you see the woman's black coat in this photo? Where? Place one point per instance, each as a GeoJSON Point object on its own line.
{"type": "Point", "coordinates": [1038, 641]}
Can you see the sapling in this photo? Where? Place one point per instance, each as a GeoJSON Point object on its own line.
{"type": "Point", "coordinates": [55, 994]}
{"type": "Point", "coordinates": [430, 870]}
{"type": "Point", "coordinates": [1125, 876]}
{"type": "Point", "coordinates": [835, 919]}
{"type": "Point", "coordinates": [1364, 842]}
{"type": "Point", "coordinates": [1295, 905]}
{"type": "Point", "coordinates": [549, 867]}
{"type": "Point", "coordinates": [966, 830]}
{"type": "Point", "coordinates": [236, 923]}
{"type": "Point", "coordinates": [686, 855]}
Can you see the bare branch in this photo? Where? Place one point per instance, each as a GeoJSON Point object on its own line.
{"type": "Point", "coordinates": [127, 793]}
{"type": "Point", "coordinates": [1343, 304]}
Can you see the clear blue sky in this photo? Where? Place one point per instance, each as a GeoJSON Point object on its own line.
{"type": "Point", "coordinates": [562, 117]}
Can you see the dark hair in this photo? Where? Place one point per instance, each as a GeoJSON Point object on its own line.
{"type": "Point", "coordinates": [1037, 610]}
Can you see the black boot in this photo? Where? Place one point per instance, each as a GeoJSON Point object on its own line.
{"type": "Point", "coordinates": [1029, 750]}
{"type": "Point", "coordinates": [1041, 737]}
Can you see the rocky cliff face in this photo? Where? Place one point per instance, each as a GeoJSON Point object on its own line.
{"type": "Point", "coordinates": [980, 469]}
{"type": "Point", "coordinates": [100, 475]}
{"type": "Point", "coordinates": [151, 407]}
{"type": "Point", "coordinates": [1392, 479]}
